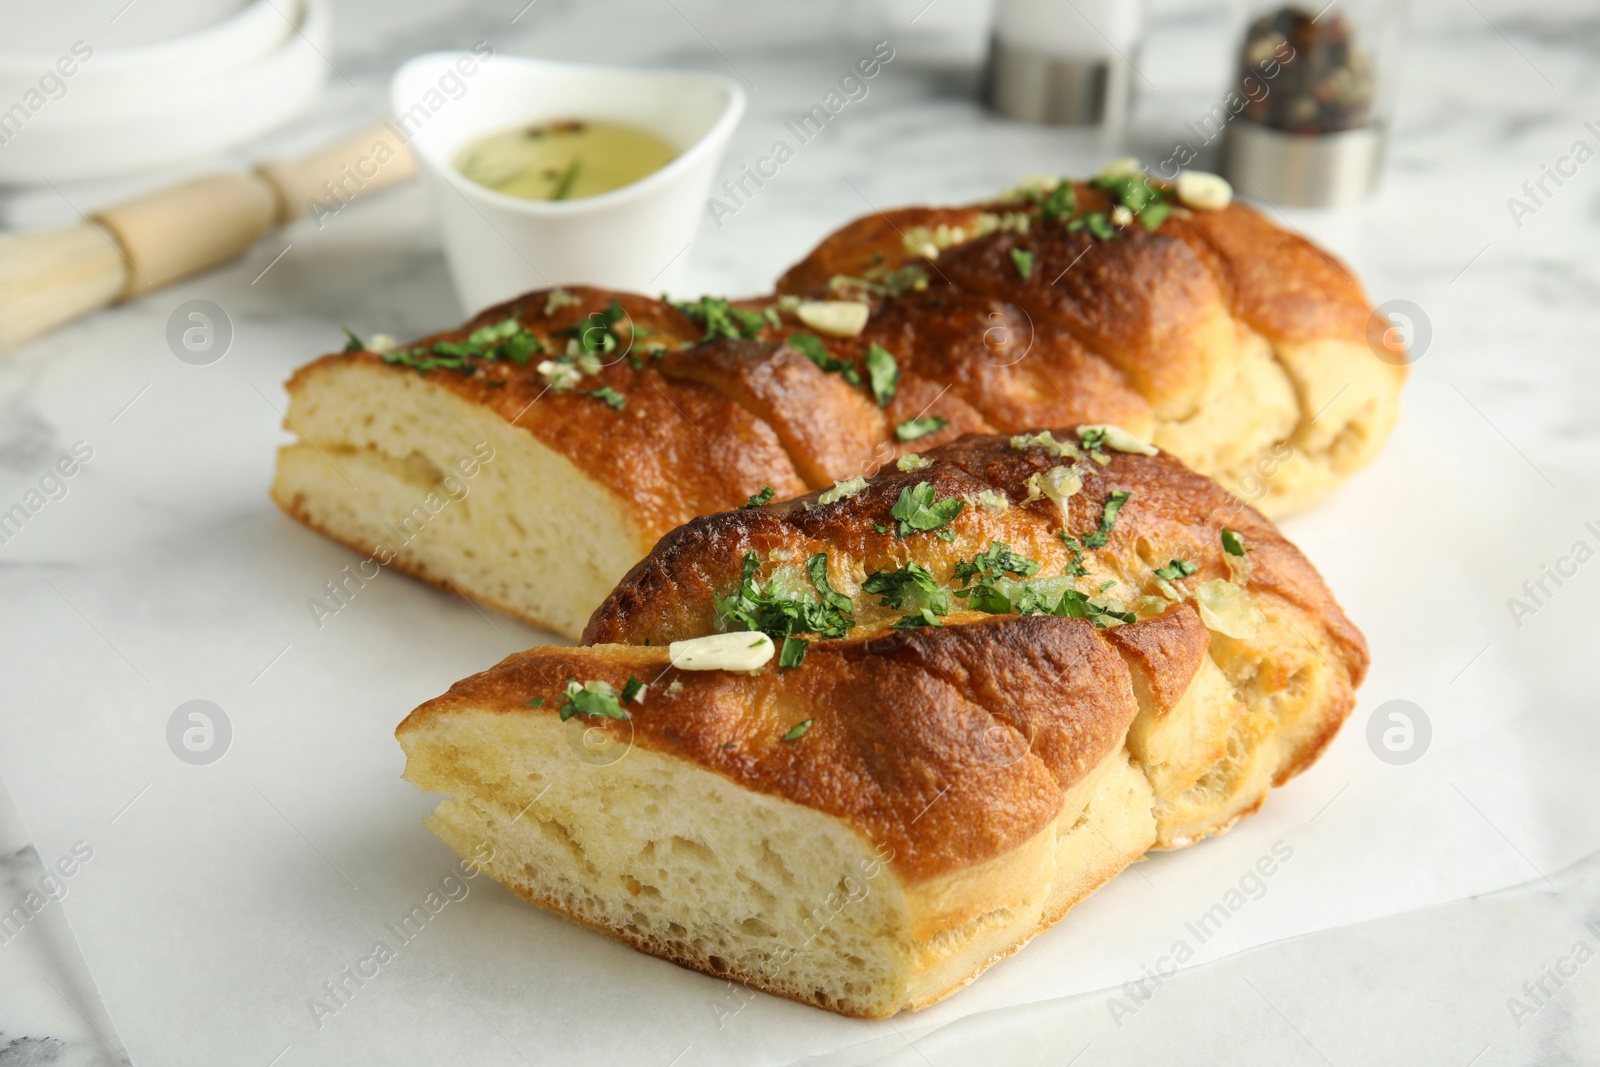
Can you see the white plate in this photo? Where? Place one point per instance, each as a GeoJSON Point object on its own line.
{"type": "Point", "coordinates": [196, 48]}
{"type": "Point", "coordinates": [69, 141]}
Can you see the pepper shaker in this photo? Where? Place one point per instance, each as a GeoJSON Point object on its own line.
{"type": "Point", "coordinates": [1316, 87]}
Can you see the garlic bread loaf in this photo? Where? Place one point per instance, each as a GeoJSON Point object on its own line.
{"type": "Point", "coordinates": [613, 418]}
{"type": "Point", "coordinates": [855, 747]}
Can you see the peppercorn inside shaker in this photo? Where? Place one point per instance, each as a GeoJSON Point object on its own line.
{"type": "Point", "coordinates": [1312, 129]}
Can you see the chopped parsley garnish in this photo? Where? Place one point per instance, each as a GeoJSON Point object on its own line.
{"type": "Point", "coordinates": [352, 343]}
{"type": "Point", "coordinates": [633, 691]}
{"type": "Point", "coordinates": [596, 331]}
{"type": "Point", "coordinates": [1175, 569]}
{"type": "Point", "coordinates": [1075, 568]}
{"type": "Point", "coordinates": [614, 400]}
{"type": "Point", "coordinates": [917, 510]}
{"type": "Point", "coordinates": [1061, 202]}
{"type": "Point", "coordinates": [1022, 259]}
{"type": "Point", "coordinates": [1108, 519]}
{"type": "Point", "coordinates": [506, 339]}
{"type": "Point", "coordinates": [925, 617]}
{"type": "Point", "coordinates": [989, 586]}
{"type": "Point", "coordinates": [912, 429]}
{"type": "Point", "coordinates": [883, 374]}
{"type": "Point", "coordinates": [880, 527]}
{"type": "Point", "coordinates": [797, 731]}
{"type": "Point", "coordinates": [998, 559]}
{"type": "Point", "coordinates": [811, 346]}
{"type": "Point", "coordinates": [1133, 191]}
{"type": "Point", "coordinates": [913, 589]}
{"type": "Point", "coordinates": [722, 319]}
{"type": "Point", "coordinates": [760, 499]}
{"type": "Point", "coordinates": [558, 299]}
{"type": "Point", "coordinates": [536, 702]}
{"type": "Point", "coordinates": [895, 282]}
{"type": "Point", "coordinates": [980, 575]}
{"type": "Point", "coordinates": [1096, 223]}
{"type": "Point", "coordinates": [591, 699]}
{"type": "Point", "coordinates": [817, 570]}
{"type": "Point", "coordinates": [1154, 215]}
{"type": "Point", "coordinates": [1232, 543]}
{"type": "Point", "coordinates": [783, 616]}
{"type": "Point", "coordinates": [792, 653]}
{"type": "Point", "coordinates": [1093, 440]}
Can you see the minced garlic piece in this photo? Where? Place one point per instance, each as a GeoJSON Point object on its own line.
{"type": "Point", "coordinates": [558, 375]}
{"type": "Point", "coordinates": [843, 490]}
{"type": "Point", "coordinates": [993, 500]}
{"type": "Point", "coordinates": [1227, 609]}
{"type": "Point", "coordinates": [1206, 192]}
{"type": "Point", "coordinates": [1045, 440]}
{"type": "Point", "coordinates": [836, 318]}
{"type": "Point", "coordinates": [1121, 440]}
{"type": "Point", "coordinates": [747, 650]}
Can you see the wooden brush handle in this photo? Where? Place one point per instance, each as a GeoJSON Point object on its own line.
{"type": "Point", "coordinates": [188, 228]}
{"type": "Point", "coordinates": [50, 277]}
{"type": "Point", "coordinates": [361, 164]}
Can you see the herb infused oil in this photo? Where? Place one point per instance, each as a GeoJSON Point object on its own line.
{"type": "Point", "coordinates": [564, 160]}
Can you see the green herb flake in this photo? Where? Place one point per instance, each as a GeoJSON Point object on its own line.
{"type": "Point", "coordinates": [1096, 223]}
{"type": "Point", "coordinates": [811, 346]}
{"type": "Point", "coordinates": [883, 374]}
{"type": "Point", "coordinates": [1175, 569]}
{"type": "Point", "coordinates": [591, 699]}
{"type": "Point", "coordinates": [912, 429]}
{"type": "Point", "coordinates": [782, 615]}
{"type": "Point", "coordinates": [352, 343]}
{"type": "Point", "coordinates": [1061, 203]}
{"type": "Point", "coordinates": [1108, 519]}
{"type": "Point", "coordinates": [925, 617]}
{"type": "Point", "coordinates": [913, 589]}
{"type": "Point", "coordinates": [722, 319]}
{"type": "Point", "coordinates": [761, 499]}
{"type": "Point", "coordinates": [1232, 543]}
{"type": "Point", "coordinates": [614, 400]}
{"type": "Point", "coordinates": [536, 702]}
{"type": "Point", "coordinates": [880, 527]}
{"type": "Point", "coordinates": [1154, 215]}
{"type": "Point", "coordinates": [793, 653]}
{"type": "Point", "coordinates": [798, 731]}
{"type": "Point", "coordinates": [918, 510]}
{"type": "Point", "coordinates": [633, 691]}
{"type": "Point", "coordinates": [1022, 259]}
{"type": "Point", "coordinates": [596, 332]}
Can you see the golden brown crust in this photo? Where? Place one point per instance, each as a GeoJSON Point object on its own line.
{"type": "Point", "coordinates": [826, 426]}
{"type": "Point", "coordinates": [1013, 370]}
{"type": "Point", "coordinates": [676, 449]}
{"type": "Point", "coordinates": [1163, 655]}
{"type": "Point", "coordinates": [1281, 284]}
{"type": "Point", "coordinates": [1171, 512]}
{"type": "Point", "coordinates": [994, 720]}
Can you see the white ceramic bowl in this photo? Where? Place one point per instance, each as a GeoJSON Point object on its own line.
{"type": "Point", "coordinates": [634, 237]}
{"type": "Point", "coordinates": [86, 136]}
{"type": "Point", "coordinates": [189, 57]}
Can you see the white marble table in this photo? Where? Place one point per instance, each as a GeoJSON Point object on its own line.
{"type": "Point", "coordinates": [1491, 92]}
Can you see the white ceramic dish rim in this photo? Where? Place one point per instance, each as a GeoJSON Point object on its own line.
{"type": "Point", "coordinates": [258, 30]}
{"type": "Point", "coordinates": [308, 36]}
{"type": "Point", "coordinates": [732, 112]}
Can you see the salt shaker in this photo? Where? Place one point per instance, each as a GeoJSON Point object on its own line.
{"type": "Point", "coordinates": [1064, 62]}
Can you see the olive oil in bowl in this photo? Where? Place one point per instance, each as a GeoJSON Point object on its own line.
{"type": "Point", "coordinates": [564, 160]}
